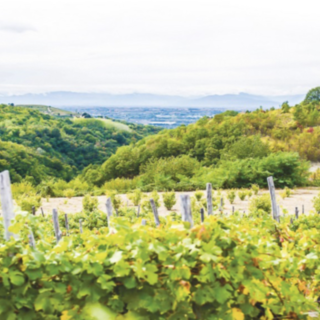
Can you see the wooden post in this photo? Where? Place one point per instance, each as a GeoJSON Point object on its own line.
{"type": "Point", "coordinates": [80, 226]}
{"type": "Point", "coordinates": [138, 211]}
{"type": "Point", "coordinates": [56, 224]}
{"type": "Point", "coordinates": [273, 198]}
{"type": "Point", "coordinates": [144, 222]}
{"type": "Point", "coordinates": [42, 212]}
{"type": "Point", "coordinates": [6, 202]}
{"type": "Point", "coordinates": [33, 210]}
{"type": "Point", "coordinates": [209, 199]}
{"type": "Point", "coordinates": [291, 221]}
{"type": "Point", "coordinates": [302, 211]}
{"type": "Point", "coordinates": [186, 208]}
{"type": "Point", "coordinates": [66, 223]}
{"type": "Point", "coordinates": [32, 242]}
{"type": "Point", "coordinates": [297, 212]}
{"type": "Point", "coordinates": [109, 208]}
{"type": "Point", "coordinates": [232, 209]}
{"type": "Point", "coordinates": [202, 215]}
{"type": "Point", "coordinates": [155, 212]}
{"type": "Point", "coordinates": [221, 203]}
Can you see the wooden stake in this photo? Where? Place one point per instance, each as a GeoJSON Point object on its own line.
{"type": "Point", "coordinates": [56, 224]}
{"type": "Point", "coordinates": [109, 208]}
{"type": "Point", "coordinates": [302, 211]}
{"type": "Point", "coordinates": [202, 215]}
{"type": "Point", "coordinates": [273, 198]}
{"type": "Point", "coordinates": [80, 226]}
{"type": "Point", "coordinates": [209, 199]}
{"type": "Point", "coordinates": [66, 220]}
{"type": "Point", "coordinates": [138, 211]}
{"type": "Point", "coordinates": [232, 209]}
{"type": "Point", "coordinates": [32, 242]}
{"type": "Point", "coordinates": [6, 202]}
{"type": "Point", "coordinates": [144, 222]}
{"type": "Point", "coordinates": [186, 208]}
{"type": "Point", "coordinates": [155, 212]}
{"type": "Point", "coordinates": [33, 210]}
{"type": "Point", "coordinates": [42, 212]}
{"type": "Point", "coordinates": [297, 212]}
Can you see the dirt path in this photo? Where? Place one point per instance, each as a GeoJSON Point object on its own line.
{"type": "Point", "coordinates": [300, 197]}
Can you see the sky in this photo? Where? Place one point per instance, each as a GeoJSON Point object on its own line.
{"type": "Point", "coordinates": [189, 47]}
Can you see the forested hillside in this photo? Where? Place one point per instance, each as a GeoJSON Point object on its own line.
{"type": "Point", "coordinates": [230, 150]}
{"type": "Point", "coordinates": [38, 147]}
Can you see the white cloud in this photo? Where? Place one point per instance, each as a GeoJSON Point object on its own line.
{"type": "Point", "coordinates": [185, 47]}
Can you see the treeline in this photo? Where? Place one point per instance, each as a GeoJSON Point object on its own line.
{"type": "Point", "coordinates": [38, 147]}
{"type": "Point", "coordinates": [232, 150]}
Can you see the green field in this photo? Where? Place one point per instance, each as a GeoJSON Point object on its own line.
{"type": "Point", "coordinates": [106, 123]}
{"type": "Point", "coordinates": [48, 110]}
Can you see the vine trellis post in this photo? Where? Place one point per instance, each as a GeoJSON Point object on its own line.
{"type": "Point", "coordinates": [272, 191]}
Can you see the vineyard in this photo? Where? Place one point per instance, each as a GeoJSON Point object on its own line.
{"type": "Point", "coordinates": [194, 265]}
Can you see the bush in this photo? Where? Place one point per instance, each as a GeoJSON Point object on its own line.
{"type": "Point", "coordinates": [260, 204]}
{"type": "Point", "coordinates": [316, 203]}
{"type": "Point", "coordinates": [135, 197]}
{"type": "Point", "coordinates": [24, 187]}
{"type": "Point", "coordinates": [255, 188]}
{"type": "Point", "coordinates": [242, 194]}
{"type": "Point", "coordinates": [198, 195]}
{"type": "Point", "coordinates": [115, 199]}
{"type": "Point", "coordinates": [26, 202]}
{"type": "Point", "coordinates": [231, 195]}
{"type": "Point", "coordinates": [169, 200]}
{"type": "Point", "coordinates": [146, 205]}
{"type": "Point", "coordinates": [89, 203]}
{"type": "Point", "coordinates": [69, 193]}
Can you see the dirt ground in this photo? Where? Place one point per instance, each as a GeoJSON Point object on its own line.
{"type": "Point", "coordinates": [297, 199]}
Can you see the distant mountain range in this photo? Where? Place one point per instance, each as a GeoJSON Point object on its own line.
{"type": "Point", "coordinates": [76, 99]}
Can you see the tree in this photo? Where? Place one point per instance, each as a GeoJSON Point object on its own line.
{"type": "Point", "coordinates": [313, 95]}
{"type": "Point", "coordinates": [285, 107]}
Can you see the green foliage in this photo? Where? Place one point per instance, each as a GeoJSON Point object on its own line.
{"type": "Point", "coordinates": [169, 200]}
{"type": "Point", "coordinates": [128, 271]}
{"type": "Point", "coordinates": [89, 203]}
{"type": "Point", "coordinates": [313, 95]}
{"type": "Point", "coordinates": [242, 194]}
{"type": "Point", "coordinates": [231, 195]}
{"type": "Point", "coordinates": [27, 201]}
{"type": "Point", "coordinates": [198, 195]}
{"type": "Point", "coordinates": [115, 198]}
{"type": "Point", "coordinates": [260, 204]}
{"type": "Point", "coordinates": [69, 193]}
{"type": "Point", "coordinates": [255, 188]}
{"type": "Point", "coordinates": [316, 203]}
{"type": "Point", "coordinates": [135, 196]}
{"type": "Point", "coordinates": [39, 146]}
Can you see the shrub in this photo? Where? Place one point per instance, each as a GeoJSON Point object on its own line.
{"type": "Point", "coordinates": [69, 193]}
{"type": "Point", "coordinates": [242, 194]}
{"type": "Point", "coordinates": [115, 199]}
{"type": "Point", "coordinates": [231, 195]}
{"type": "Point", "coordinates": [249, 193]}
{"type": "Point", "coordinates": [255, 188]}
{"type": "Point", "coordinates": [135, 197]}
{"type": "Point", "coordinates": [169, 200]}
{"type": "Point", "coordinates": [260, 203]}
{"type": "Point", "coordinates": [26, 202]}
{"type": "Point", "coordinates": [24, 187]}
{"type": "Point", "coordinates": [198, 195]}
{"type": "Point", "coordinates": [316, 203]}
{"type": "Point", "coordinates": [89, 203]}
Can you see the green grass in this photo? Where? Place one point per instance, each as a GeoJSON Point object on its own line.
{"type": "Point", "coordinates": [106, 123]}
{"type": "Point", "coordinates": [47, 110]}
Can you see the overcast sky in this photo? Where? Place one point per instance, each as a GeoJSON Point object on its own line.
{"type": "Point", "coordinates": [188, 47]}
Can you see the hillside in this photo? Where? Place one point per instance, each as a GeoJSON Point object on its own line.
{"type": "Point", "coordinates": [48, 110]}
{"type": "Point", "coordinates": [232, 149]}
{"type": "Point", "coordinates": [38, 146]}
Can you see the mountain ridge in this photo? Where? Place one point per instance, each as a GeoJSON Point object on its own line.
{"type": "Point", "coordinates": [240, 101]}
